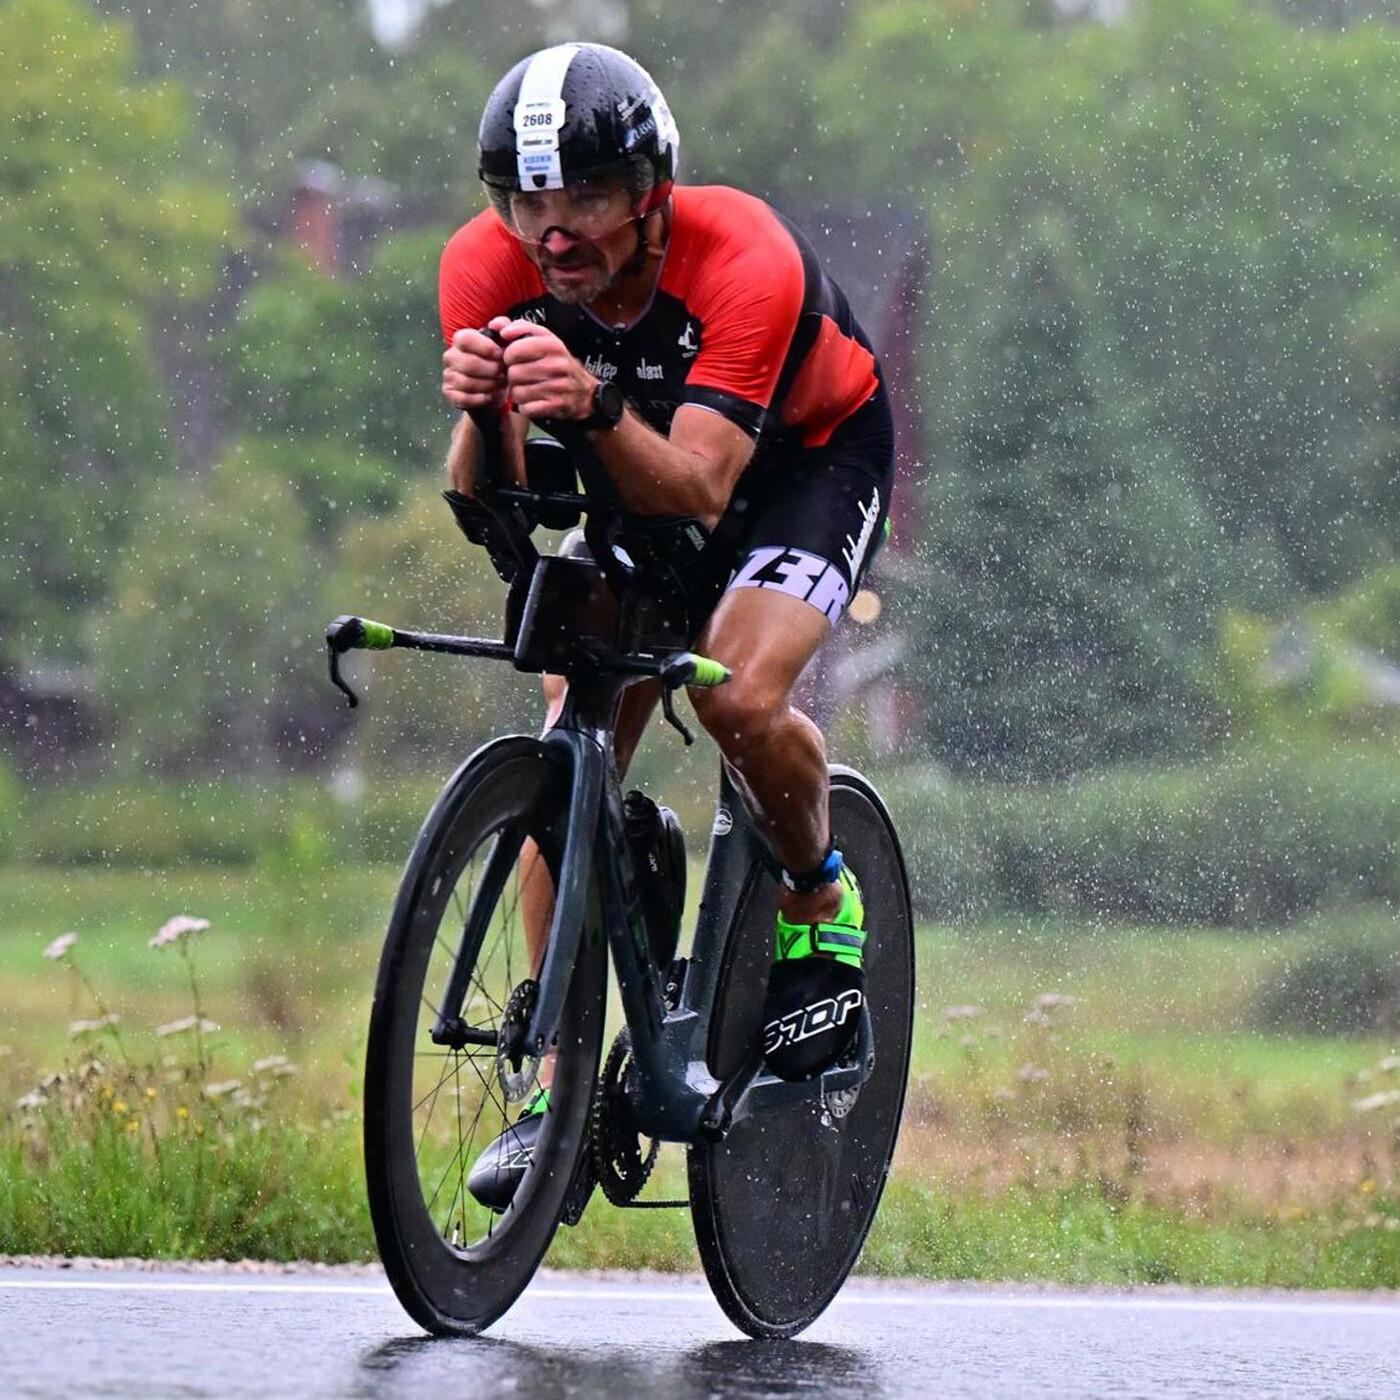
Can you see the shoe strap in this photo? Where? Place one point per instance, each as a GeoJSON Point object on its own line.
{"type": "Point", "coordinates": [842, 938]}
{"type": "Point", "coordinates": [840, 942]}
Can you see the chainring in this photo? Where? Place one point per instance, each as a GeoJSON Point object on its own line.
{"type": "Point", "coordinates": [517, 1072]}
{"type": "Point", "coordinates": [622, 1164]}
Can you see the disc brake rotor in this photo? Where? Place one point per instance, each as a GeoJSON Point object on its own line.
{"type": "Point", "coordinates": [517, 1072]}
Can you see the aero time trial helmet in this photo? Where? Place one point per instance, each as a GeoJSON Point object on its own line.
{"type": "Point", "coordinates": [578, 112]}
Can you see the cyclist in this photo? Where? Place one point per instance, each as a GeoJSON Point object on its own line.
{"type": "Point", "coordinates": [719, 374]}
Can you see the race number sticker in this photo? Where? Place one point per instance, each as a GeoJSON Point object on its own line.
{"type": "Point", "coordinates": [537, 143]}
{"type": "Point", "coordinates": [539, 117]}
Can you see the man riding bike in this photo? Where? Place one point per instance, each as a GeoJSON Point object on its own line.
{"type": "Point", "coordinates": [718, 373]}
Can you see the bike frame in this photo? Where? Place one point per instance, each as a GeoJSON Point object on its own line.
{"type": "Point", "coordinates": [678, 1098]}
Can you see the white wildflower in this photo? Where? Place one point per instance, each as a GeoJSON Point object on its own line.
{"type": "Point", "coordinates": [188, 1023]}
{"type": "Point", "coordinates": [1374, 1101]}
{"type": "Point", "coordinates": [59, 948]}
{"type": "Point", "coordinates": [278, 1066]}
{"type": "Point", "coordinates": [173, 930]}
{"type": "Point", "coordinates": [81, 1028]}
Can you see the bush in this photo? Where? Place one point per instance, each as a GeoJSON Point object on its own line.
{"type": "Point", "coordinates": [219, 821]}
{"type": "Point", "coordinates": [1340, 989]}
{"type": "Point", "coordinates": [10, 816]}
{"type": "Point", "coordinates": [284, 823]}
{"type": "Point", "coordinates": [125, 824]}
{"type": "Point", "coordinates": [1254, 838]}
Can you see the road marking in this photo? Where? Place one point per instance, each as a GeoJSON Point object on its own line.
{"type": "Point", "coordinates": [192, 1286]}
{"type": "Point", "coordinates": [683, 1294]}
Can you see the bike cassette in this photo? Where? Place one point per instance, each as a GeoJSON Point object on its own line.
{"type": "Point", "coordinates": [517, 1072]}
{"type": "Point", "coordinates": [621, 1162]}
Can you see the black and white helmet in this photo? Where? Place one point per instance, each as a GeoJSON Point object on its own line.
{"type": "Point", "coordinates": [576, 112]}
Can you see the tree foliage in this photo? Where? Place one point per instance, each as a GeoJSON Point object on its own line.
{"type": "Point", "coordinates": [1071, 574]}
{"type": "Point", "coordinates": [212, 643]}
{"type": "Point", "coordinates": [1161, 336]}
{"type": "Point", "coordinates": [415, 569]}
{"type": "Point", "coordinates": [350, 362]}
{"type": "Point", "coordinates": [1219, 188]}
{"type": "Point", "coordinates": [97, 232]}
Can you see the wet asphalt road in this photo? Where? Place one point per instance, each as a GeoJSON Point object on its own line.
{"type": "Point", "coordinates": [149, 1336]}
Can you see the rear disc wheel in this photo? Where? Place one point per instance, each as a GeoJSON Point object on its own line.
{"type": "Point", "coordinates": [783, 1202]}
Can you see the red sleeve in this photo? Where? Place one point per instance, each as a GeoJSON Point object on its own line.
{"type": "Point", "coordinates": [743, 277]}
{"type": "Point", "coordinates": [483, 274]}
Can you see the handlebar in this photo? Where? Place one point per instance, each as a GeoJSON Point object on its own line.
{"type": "Point", "coordinates": [674, 669]}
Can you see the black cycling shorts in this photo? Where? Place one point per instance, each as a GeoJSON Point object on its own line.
{"type": "Point", "coordinates": [806, 521]}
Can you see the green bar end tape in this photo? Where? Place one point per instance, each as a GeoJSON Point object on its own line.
{"type": "Point", "coordinates": [709, 673]}
{"type": "Point", "coordinates": [378, 636]}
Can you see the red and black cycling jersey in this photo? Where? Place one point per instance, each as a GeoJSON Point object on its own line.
{"type": "Point", "coordinates": [743, 320]}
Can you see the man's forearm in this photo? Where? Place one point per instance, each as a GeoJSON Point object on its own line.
{"type": "Point", "coordinates": [464, 452]}
{"type": "Point", "coordinates": [461, 456]}
{"type": "Point", "coordinates": [657, 476]}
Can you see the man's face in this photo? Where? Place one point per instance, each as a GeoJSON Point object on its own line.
{"type": "Point", "coordinates": [580, 237]}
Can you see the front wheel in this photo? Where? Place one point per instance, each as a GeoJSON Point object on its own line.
{"type": "Point", "coordinates": [782, 1204]}
{"type": "Point", "coordinates": [444, 1076]}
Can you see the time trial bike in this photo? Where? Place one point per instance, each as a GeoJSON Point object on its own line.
{"type": "Point", "coordinates": [529, 870]}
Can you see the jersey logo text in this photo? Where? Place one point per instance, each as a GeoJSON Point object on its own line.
{"type": "Point", "coordinates": [854, 550]}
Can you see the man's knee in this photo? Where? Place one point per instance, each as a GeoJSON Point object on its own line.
{"type": "Point", "coordinates": [740, 713]}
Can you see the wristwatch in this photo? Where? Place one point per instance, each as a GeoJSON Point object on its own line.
{"type": "Point", "coordinates": [608, 405]}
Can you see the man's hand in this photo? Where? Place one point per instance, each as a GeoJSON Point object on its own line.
{"type": "Point", "coordinates": [473, 369]}
{"type": "Point", "coordinates": [545, 380]}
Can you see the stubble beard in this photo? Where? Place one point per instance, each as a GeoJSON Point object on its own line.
{"type": "Point", "coordinates": [582, 292]}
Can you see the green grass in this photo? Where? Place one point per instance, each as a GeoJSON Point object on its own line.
{"type": "Point", "coordinates": [1143, 1131]}
{"type": "Point", "coordinates": [287, 966]}
{"type": "Point", "coordinates": [1082, 1233]}
{"type": "Point", "coordinates": [221, 1186]}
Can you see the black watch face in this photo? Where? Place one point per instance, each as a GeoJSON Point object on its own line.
{"type": "Point", "coordinates": [608, 404]}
